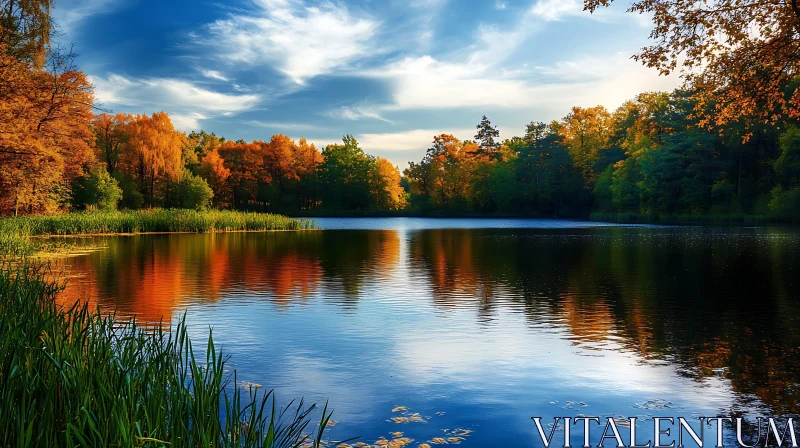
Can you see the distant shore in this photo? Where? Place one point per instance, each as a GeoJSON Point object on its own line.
{"type": "Point", "coordinates": [621, 218]}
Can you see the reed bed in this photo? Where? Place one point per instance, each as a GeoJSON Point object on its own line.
{"type": "Point", "coordinates": [74, 377]}
{"type": "Point", "coordinates": [144, 221]}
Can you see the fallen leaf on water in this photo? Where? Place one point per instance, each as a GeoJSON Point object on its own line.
{"type": "Point", "coordinates": [397, 434]}
{"type": "Point", "coordinates": [400, 443]}
{"type": "Point", "coordinates": [400, 419]}
{"type": "Point", "coordinates": [399, 408]}
{"type": "Point", "coordinates": [455, 439]}
{"type": "Point", "coordinates": [461, 432]}
{"type": "Point", "coordinates": [424, 445]}
{"type": "Point", "coordinates": [439, 441]}
{"type": "Point", "coordinates": [332, 422]}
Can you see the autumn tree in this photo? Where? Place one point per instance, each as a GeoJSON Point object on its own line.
{"type": "Point", "coordinates": [154, 151]}
{"type": "Point", "coordinates": [307, 160]}
{"type": "Point", "coordinates": [740, 56]}
{"type": "Point", "coordinates": [25, 30]}
{"type": "Point", "coordinates": [244, 163]}
{"type": "Point", "coordinates": [213, 170]}
{"type": "Point", "coordinates": [389, 194]}
{"type": "Point", "coordinates": [585, 131]}
{"type": "Point", "coordinates": [45, 134]}
{"type": "Point", "coordinates": [198, 145]}
{"type": "Point", "coordinates": [111, 132]}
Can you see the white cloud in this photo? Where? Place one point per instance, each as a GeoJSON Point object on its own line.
{"type": "Point", "coordinates": [427, 83]}
{"type": "Point", "coordinates": [69, 13]}
{"type": "Point", "coordinates": [552, 10]}
{"type": "Point", "coordinates": [190, 122]}
{"type": "Point", "coordinates": [417, 139]}
{"type": "Point", "coordinates": [301, 41]}
{"type": "Point", "coordinates": [357, 113]}
{"type": "Point", "coordinates": [213, 74]}
{"type": "Point", "coordinates": [282, 126]}
{"type": "Point", "coordinates": [186, 103]}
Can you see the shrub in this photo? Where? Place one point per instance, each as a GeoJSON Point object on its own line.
{"type": "Point", "coordinates": [99, 190]}
{"type": "Point", "coordinates": [785, 203]}
{"type": "Point", "coordinates": [194, 192]}
{"type": "Point", "coordinates": [132, 198]}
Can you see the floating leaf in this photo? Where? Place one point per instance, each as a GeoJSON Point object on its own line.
{"type": "Point", "coordinates": [400, 443]}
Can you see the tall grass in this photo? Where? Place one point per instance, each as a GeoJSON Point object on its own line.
{"type": "Point", "coordinates": [73, 377]}
{"type": "Point", "coordinates": [156, 220]}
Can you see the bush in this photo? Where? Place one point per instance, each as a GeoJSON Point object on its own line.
{"type": "Point", "coordinates": [194, 192]}
{"type": "Point", "coordinates": [98, 190]}
{"type": "Point", "coordinates": [132, 198]}
{"type": "Point", "coordinates": [785, 203]}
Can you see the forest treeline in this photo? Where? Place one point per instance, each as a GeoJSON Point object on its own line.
{"type": "Point", "coordinates": [687, 152]}
{"type": "Point", "coordinates": [652, 156]}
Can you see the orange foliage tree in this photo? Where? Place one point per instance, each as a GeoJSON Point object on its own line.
{"type": "Point", "coordinates": [740, 55]}
{"type": "Point", "coordinates": [585, 131]}
{"type": "Point", "coordinates": [45, 134]}
{"type": "Point", "coordinates": [391, 196]}
{"type": "Point", "coordinates": [111, 133]}
{"type": "Point", "coordinates": [213, 170]}
{"type": "Point", "coordinates": [25, 28]}
{"type": "Point", "coordinates": [153, 151]}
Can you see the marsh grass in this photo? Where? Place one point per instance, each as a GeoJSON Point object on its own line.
{"type": "Point", "coordinates": [74, 377]}
{"type": "Point", "coordinates": [143, 221]}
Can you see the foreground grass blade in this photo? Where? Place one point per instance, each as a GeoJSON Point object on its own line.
{"type": "Point", "coordinates": [74, 377]}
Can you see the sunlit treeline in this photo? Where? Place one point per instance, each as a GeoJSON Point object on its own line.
{"type": "Point", "coordinates": [653, 155]}
{"type": "Point", "coordinates": [201, 169]}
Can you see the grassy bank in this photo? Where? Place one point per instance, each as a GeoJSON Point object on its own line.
{"type": "Point", "coordinates": [77, 378]}
{"type": "Point", "coordinates": [141, 221]}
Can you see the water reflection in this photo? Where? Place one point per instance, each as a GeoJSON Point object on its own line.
{"type": "Point", "coordinates": [706, 314]}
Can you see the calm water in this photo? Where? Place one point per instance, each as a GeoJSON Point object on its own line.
{"type": "Point", "coordinates": [480, 324]}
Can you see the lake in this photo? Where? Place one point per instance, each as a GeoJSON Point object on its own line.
{"type": "Point", "coordinates": [478, 324]}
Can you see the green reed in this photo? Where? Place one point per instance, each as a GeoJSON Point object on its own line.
{"type": "Point", "coordinates": [73, 377]}
{"type": "Point", "coordinates": [154, 220]}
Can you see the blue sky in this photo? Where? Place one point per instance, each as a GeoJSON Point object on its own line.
{"type": "Point", "coordinates": [392, 72]}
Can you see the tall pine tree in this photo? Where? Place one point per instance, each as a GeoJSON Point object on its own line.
{"type": "Point", "coordinates": [486, 137]}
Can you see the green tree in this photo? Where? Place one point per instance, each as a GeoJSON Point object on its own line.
{"type": "Point", "coordinates": [487, 137]}
{"type": "Point", "coordinates": [98, 190]}
{"type": "Point", "coordinates": [347, 174]}
{"type": "Point", "coordinates": [193, 192]}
